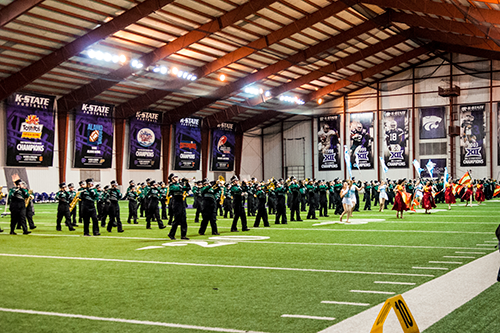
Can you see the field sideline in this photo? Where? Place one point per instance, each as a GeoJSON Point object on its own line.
{"type": "Point", "coordinates": [301, 277]}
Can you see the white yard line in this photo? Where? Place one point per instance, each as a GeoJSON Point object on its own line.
{"type": "Point", "coordinates": [127, 321]}
{"type": "Point", "coordinates": [452, 289]}
{"type": "Point", "coordinates": [210, 265]}
{"type": "Point", "coordinates": [306, 317]}
{"type": "Point", "coordinates": [392, 282]}
{"type": "Point", "coordinates": [431, 268]}
{"type": "Point", "coordinates": [486, 244]}
{"type": "Point", "coordinates": [345, 303]}
{"type": "Point", "coordinates": [461, 252]}
{"type": "Point", "coordinates": [446, 262]}
{"type": "Point", "coordinates": [373, 292]}
{"type": "Point", "coordinates": [460, 257]}
{"type": "Point", "coordinates": [496, 242]}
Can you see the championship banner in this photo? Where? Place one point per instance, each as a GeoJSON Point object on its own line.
{"type": "Point", "coordinates": [94, 135]}
{"type": "Point", "coordinates": [498, 134]}
{"type": "Point", "coordinates": [361, 127]}
{"type": "Point", "coordinates": [223, 143]}
{"type": "Point", "coordinates": [30, 130]}
{"type": "Point", "coordinates": [396, 139]}
{"type": "Point", "coordinates": [432, 123]}
{"type": "Point", "coordinates": [437, 166]}
{"type": "Point", "coordinates": [187, 144]}
{"type": "Point", "coordinates": [145, 140]}
{"type": "Point", "coordinates": [472, 134]}
{"type": "Point", "coordinates": [328, 143]}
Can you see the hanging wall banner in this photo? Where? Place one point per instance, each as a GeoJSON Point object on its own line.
{"type": "Point", "coordinates": [94, 135]}
{"type": "Point", "coordinates": [437, 166]}
{"type": "Point", "coordinates": [498, 133]}
{"type": "Point", "coordinates": [145, 140]}
{"type": "Point", "coordinates": [361, 127]}
{"type": "Point", "coordinates": [223, 143]}
{"type": "Point", "coordinates": [328, 143]}
{"type": "Point", "coordinates": [432, 123]}
{"type": "Point", "coordinates": [30, 130]}
{"type": "Point", "coordinates": [396, 139]}
{"type": "Point", "coordinates": [472, 134]}
{"type": "Point", "coordinates": [187, 144]}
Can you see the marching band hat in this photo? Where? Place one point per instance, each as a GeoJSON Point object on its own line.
{"type": "Point", "coordinates": [71, 185]}
{"type": "Point", "coordinates": [98, 186]}
{"type": "Point", "coordinates": [18, 181]}
{"type": "Point", "coordinates": [152, 182]}
{"type": "Point", "coordinates": [62, 185]}
{"type": "Point", "coordinates": [105, 187]}
{"type": "Point", "coordinates": [206, 181]}
{"type": "Point", "coordinates": [148, 180]}
{"type": "Point", "coordinates": [89, 180]}
{"type": "Point", "coordinates": [131, 182]}
{"type": "Point", "coordinates": [234, 178]}
{"type": "Point", "coordinates": [113, 182]}
{"type": "Point", "coordinates": [171, 176]}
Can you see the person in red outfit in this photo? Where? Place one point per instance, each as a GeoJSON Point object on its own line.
{"type": "Point", "coordinates": [480, 197]}
{"type": "Point", "coordinates": [468, 195]}
{"type": "Point", "coordinates": [399, 203]}
{"type": "Point", "coordinates": [428, 200]}
{"type": "Point", "coordinates": [449, 197]}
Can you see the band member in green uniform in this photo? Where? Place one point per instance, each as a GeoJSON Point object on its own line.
{"type": "Point", "coordinates": [114, 207]}
{"type": "Point", "coordinates": [239, 210]}
{"type": "Point", "coordinates": [311, 200]}
{"type": "Point", "coordinates": [63, 198]}
{"type": "Point", "coordinates": [198, 200]}
{"type": "Point", "coordinates": [153, 196]}
{"type": "Point", "coordinates": [323, 198]}
{"type": "Point", "coordinates": [280, 191]}
{"type": "Point", "coordinates": [72, 194]}
{"type": "Point", "coordinates": [295, 198]}
{"type": "Point", "coordinates": [81, 183]}
{"type": "Point", "coordinates": [132, 197]}
{"type": "Point", "coordinates": [17, 206]}
{"type": "Point", "coordinates": [89, 196]}
{"type": "Point", "coordinates": [209, 213]}
{"type": "Point", "coordinates": [102, 204]}
{"type": "Point", "coordinates": [163, 200]}
{"type": "Point", "coordinates": [176, 190]}
{"type": "Point", "coordinates": [261, 207]}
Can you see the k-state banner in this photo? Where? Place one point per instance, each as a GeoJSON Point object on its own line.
{"type": "Point", "coordinates": [145, 140]}
{"type": "Point", "coordinates": [94, 135]}
{"type": "Point", "coordinates": [223, 143]}
{"type": "Point", "coordinates": [361, 129]}
{"type": "Point", "coordinates": [187, 144]}
{"type": "Point", "coordinates": [498, 133]}
{"type": "Point", "coordinates": [472, 134]}
{"type": "Point", "coordinates": [329, 143]}
{"type": "Point", "coordinates": [396, 139]}
{"type": "Point", "coordinates": [30, 130]}
{"type": "Point", "coordinates": [432, 123]}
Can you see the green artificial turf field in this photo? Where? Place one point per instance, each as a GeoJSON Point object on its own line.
{"type": "Point", "coordinates": [237, 284]}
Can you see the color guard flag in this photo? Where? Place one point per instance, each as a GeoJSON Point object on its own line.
{"type": "Point", "coordinates": [457, 188]}
{"type": "Point", "coordinates": [446, 175]}
{"type": "Point", "coordinates": [384, 166]}
{"type": "Point", "coordinates": [347, 158]}
{"type": "Point", "coordinates": [496, 191]}
{"type": "Point", "coordinates": [466, 179]}
{"type": "Point", "coordinates": [430, 167]}
{"type": "Point", "coordinates": [416, 164]}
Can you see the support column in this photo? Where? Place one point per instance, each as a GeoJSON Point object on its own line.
{"type": "Point", "coordinates": [62, 140]}
{"type": "Point", "coordinates": [377, 155]}
{"type": "Point", "coordinates": [165, 145]}
{"type": "Point", "coordinates": [238, 148]}
{"type": "Point", "coordinates": [452, 123]}
{"type": "Point", "coordinates": [413, 122]}
{"type": "Point", "coordinates": [491, 119]}
{"type": "Point", "coordinates": [120, 144]}
{"type": "Point", "coordinates": [282, 151]}
{"type": "Point", "coordinates": [312, 148]}
{"type": "Point", "coordinates": [205, 144]}
{"type": "Point", "coordinates": [262, 151]}
{"type": "Point", "coordinates": [344, 132]}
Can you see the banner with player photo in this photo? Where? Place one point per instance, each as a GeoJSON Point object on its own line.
{"type": "Point", "coordinates": [498, 133]}
{"type": "Point", "coordinates": [187, 144]}
{"type": "Point", "coordinates": [329, 143]}
{"type": "Point", "coordinates": [30, 130]}
{"type": "Point", "coordinates": [432, 123]}
{"type": "Point", "coordinates": [436, 165]}
{"type": "Point", "coordinates": [396, 139]}
{"type": "Point", "coordinates": [362, 132]}
{"type": "Point", "coordinates": [472, 134]}
{"type": "Point", "coordinates": [94, 135]}
{"type": "Point", "coordinates": [223, 143]}
{"type": "Point", "coordinates": [145, 140]}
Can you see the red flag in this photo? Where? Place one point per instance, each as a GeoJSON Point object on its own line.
{"type": "Point", "coordinates": [457, 188]}
{"type": "Point", "coordinates": [496, 191]}
{"type": "Point", "coordinates": [466, 179]}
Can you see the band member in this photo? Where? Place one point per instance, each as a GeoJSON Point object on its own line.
{"type": "Point", "coordinates": [30, 212]}
{"type": "Point", "coordinates": [449, 197]}
{"type": "Point", "coordinates": [399, 202]}
{"type": "Point", "coordinates": [311, 200]}
{"type": "Point", "coordinates": [295, 200]}
{"type": "Point", "coordinates": [163, 199]}
{"type": "Point", "coordinates": [63, 198]}
{"type": "Point", "coordinates": [468, 195]}
{"type": "Point", "coordinates": [176, 190]}
{"type": "Point", "coordinates": [280, 191]}
{"type": "Point", "coordinates": [209, 213]}
{"type": "Point", "coordinates": [382, 189]}
{"type": "Point", "coordinates": [480, 197]}
{"type": "Point", "coordinates": [153, 211]}
{"type": "Point", "coordinates": [17, 206]}
{"type": "Point", "coordinates": [72, 194]}
{"type": "Point", "coordinates": [198, 200]}
{"type": "Point", "coordinates": [132, 197]}
{"type": "Point", "coordinates": [239, 210]}
{"type": "Point", "coordinates": [81, 183]}
{"type": "Point", "coordinates": [89, 196]}
{"type": "Point", "coordinates": [428, 200]}
{"type": "Point", "coordinates": [323, 200]}
{"type": "Point", "coordinates": [114, 207]}
{"type": "Point", "coordinates": [261, 207]}
{"type": "Point", "coordinates": [103, 204]}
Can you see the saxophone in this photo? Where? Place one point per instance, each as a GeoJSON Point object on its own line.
{"type": "Point", "coordinates": [74, 201]}
{"type": "Point", "coordinates": [28, 199]}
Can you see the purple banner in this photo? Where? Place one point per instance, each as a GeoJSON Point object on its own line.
{"type": "Point", "coordinates": [329, 143]}
{"type": "Point", "coordinates": [432, 123]}
{"type": "Point", "coordinates": [361, 126]}
{"type": "Point", "coordinates": [396, 139]}
{"type": "Point", "coordinates": [223, 143]}
{"type": "Point", "coordinates": [498, 133]}
{"type": "Point", "coordinates": [438, 163]}
{"type": "Point", "coordinates": [145, 140]}
{"type": "Point", "coordinates": [94, 135]}
{"type": "Point", "coordinates": [30, 130]}
{"type": "Point", "coordinates": [187, 144]}
{"type": "Point", "coordinates": [472, 134]}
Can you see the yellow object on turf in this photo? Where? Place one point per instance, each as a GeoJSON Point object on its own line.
{"type": "Point", "coordinates": [403, 313]}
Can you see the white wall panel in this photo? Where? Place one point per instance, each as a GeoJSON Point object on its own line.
{"type": "Point", "coordinates": [251, 161]}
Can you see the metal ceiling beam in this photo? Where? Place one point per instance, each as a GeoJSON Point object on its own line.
{"type": "Point", "coordinates": [258, 119]}
{"type": "Point", "coordinates": [333, 67]}
{"type": "Point", "coordinates": [222, 116]}
{"type": "Point", "coordinates": [464, 49]}
{"type": "Point", "coordinates": [201, 102]}
{"type": "Point", "coordinates": [15, 9]}
{"type": "Point", "coordinates": [143, 101]}
{"type": "Point", "coordinates": [98, 86]}
{"type": "Point", "coordinates": [29, 74]}
{"type": "Point", "coordinates": [366, 73]}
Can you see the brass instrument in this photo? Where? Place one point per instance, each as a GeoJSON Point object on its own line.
{"type": "Point", "coordinates": [222, 196]}
{"type": "Point", "coordinates": [168, 196]}
{"type": "Point", "coordinates": [73, 202]}
{"type": "Point", "coordinates": [1, 195]}
{"type": "Point", "coordinates": [28, 199]}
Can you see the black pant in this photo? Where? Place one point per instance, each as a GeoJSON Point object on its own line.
{"type": "Point", "coordinates": [163, 209]}
{"type": "Point", "coordinates": [311, 214]}
{"type": "Point", "coordinates": [179, 216]}
{"type": "Point", "coordinates": [261, 214]}
{"type": "Point", "coordinates": [18, 215]}
{"type": "Point", "coordinates": [153, 213]}
{"type": "Point", "coordinates": [295, 209]}
{"type": "Point", "coordinates": [280, 210]}
{"type": "Point", "coordinates": [114, 216]}
{"type": "Point", "coordinates": [323, 207]}
{"type": "Point", "coordinates": [239, 212]}
{"type": "Point", "coordinates": [63, 211]}
{"type": "Point", "coordinates": [72, 215]}
{"type": "Point", "coordinates": [104, 214]}
{"type": "Point", "coordinates": [80, 214]}
{"type": "Point", "coordinates": [209, 214]}
{"type": "Point", "coordinates": [132, 211]}
{"type": "Point", "coordinates": [89, 213]}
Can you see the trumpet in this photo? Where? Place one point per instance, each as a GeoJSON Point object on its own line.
{"type": "Point", "coordinates": [74, 201]}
